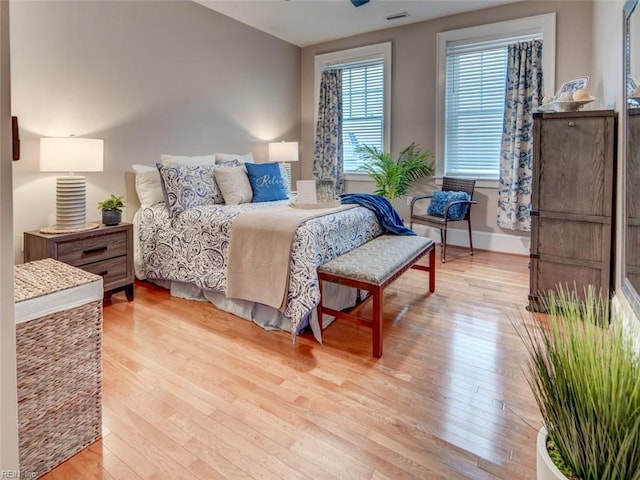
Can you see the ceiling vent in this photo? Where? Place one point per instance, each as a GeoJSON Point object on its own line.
{"type": "Point", "coordinates": [395, 16]}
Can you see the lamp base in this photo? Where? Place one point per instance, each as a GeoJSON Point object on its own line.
{"type": "Point", "coordinates": [287, 168]}
{"type": "Point", "coordinates": [57, 229]}
{"type": "Point", "coordinates": [71, 202]}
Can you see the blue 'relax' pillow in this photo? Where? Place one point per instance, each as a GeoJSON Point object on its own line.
{"type": "Point", "coordinates": [266, 182]}
{"type": "Point", "coordinates": [441, 199]}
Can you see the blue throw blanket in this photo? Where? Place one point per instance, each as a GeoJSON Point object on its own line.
{"type": "Point", "coordinates": [389, 219]}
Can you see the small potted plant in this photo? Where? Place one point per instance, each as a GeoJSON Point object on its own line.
{"type": "Point", "coordinates": [585, 377]}
{"type": "Point", "coordinates": [393, 177]}
{"type": "Point", "coordinates": [112, 209]}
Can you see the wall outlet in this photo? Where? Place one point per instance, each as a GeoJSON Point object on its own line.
{"type": "Point", "coordinates": [409, 201]}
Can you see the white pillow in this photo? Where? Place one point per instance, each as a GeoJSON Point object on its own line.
{"type": "Point", "coordinates": [229, 157]}
{"type": "Point", "coordinates": [234, 185]}
{"type": "Point", "coordinates": [184, 160]}
{"type": "Point", "coordinates": [148, 185]}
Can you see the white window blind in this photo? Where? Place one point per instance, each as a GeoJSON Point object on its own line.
{"type": "Point", "coordinates": [474, 107]}
{"type": "Point", "coordinates": [474, 111]}
{"type": "Point", "coordinates": [362, 110]}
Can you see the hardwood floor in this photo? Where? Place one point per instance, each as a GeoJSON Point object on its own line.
{"type": "Point", "coordinates": [194, 393]}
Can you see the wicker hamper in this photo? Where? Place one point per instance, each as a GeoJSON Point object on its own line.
{"type": "Point", "coordinates": [59, 361]}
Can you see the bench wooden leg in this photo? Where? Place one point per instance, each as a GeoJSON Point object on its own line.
{"type": "Point", "coordinates": [377, 295]}
{"type": "Point", "coordinates": [378, 310]}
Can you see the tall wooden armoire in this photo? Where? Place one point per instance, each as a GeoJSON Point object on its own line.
{"type": "Point", "coordinates": [573, 199]}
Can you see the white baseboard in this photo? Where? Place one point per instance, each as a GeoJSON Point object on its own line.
{"type": "Point", "coordinates": [492, 241]}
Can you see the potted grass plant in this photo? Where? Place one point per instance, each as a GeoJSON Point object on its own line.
{"type": "Point", "coordinates": [112, 209]}
{"type": "Point", "coordinates": [585, 377]}
{"type": "Point", "coordinates": [393, 177]}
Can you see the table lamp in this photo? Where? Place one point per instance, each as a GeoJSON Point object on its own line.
{"type": "Point", "coordinates": [285, 153]}
{"type": "Point", "coordinates": [71, 154]}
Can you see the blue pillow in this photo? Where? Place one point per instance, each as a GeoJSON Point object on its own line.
{"type": "Point", "coordinates": [266, 182]}
{"type": "Point", "coordinates": [441, 199]}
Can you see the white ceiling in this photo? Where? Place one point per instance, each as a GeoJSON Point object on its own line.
{"type": "Point", "coordinates": [305, 22]}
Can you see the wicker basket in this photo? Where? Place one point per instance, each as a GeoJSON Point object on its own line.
{"type": "Point", "coordinates": [59, 363]}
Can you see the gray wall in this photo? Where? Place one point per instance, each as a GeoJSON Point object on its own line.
{"type": "Point", "coordinates": [148, 78]}
{"type": "Point", "coordinates": [413, 81]}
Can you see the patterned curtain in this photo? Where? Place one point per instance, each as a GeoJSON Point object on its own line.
{"type": "Point", "coordinates": [523, 95]}
{"type": "Point", "coordinates": [327, 153]}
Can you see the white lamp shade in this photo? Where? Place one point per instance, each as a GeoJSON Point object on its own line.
{"type": "Point", "coordinates": [71, 154]}
{"type": "Point", "coordinates": [283, 152]}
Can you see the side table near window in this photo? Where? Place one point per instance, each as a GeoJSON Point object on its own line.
{"type": "Point", "coordinates": [106, 251]}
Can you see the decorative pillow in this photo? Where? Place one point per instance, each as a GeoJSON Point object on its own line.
{"type": "Point", "coordinates": [184, 160]}
{"type": "Point", "coordinates": [266, 182]}
{"type": "Point", "coordinates": [228, 157]}
{"type": "Point", "coordinates": [188, 186]}
{"type": "Point", "coordinates": [234, 184]}
{"type": "Point", "coordinates": [441, 199]}
{"type": "Point", "coordinates": [148, 185]}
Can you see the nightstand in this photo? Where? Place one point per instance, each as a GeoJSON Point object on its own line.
{"type": "Point", "coordinates": [105, 251]}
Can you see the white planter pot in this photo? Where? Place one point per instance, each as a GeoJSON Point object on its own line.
{"type": "Point", "coordinates": [545, 468]}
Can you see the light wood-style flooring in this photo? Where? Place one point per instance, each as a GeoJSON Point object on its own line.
{"type": "Point", "coordinates": [191, 392]}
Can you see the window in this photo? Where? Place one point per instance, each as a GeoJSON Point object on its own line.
{"type": "Point", "coordinates": [362, 110]}
{"type": "Point", "coordinates": [474, 108]}
{"type": "Point", "coordinates": [365, 98]}
{"type": "Point", "coordinates": [471, 93]}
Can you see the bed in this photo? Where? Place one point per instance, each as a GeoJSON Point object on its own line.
{"type": "Point", "coordinates": [188, 253]}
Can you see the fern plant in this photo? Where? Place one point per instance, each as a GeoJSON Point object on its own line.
{"type": "Point", "coordinates": [585, 377]}
{"type": "Point", "coordinates": [393, 177]}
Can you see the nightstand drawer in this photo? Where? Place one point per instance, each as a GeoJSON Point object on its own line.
{"type": "Point", "coordinates": [106, 251]}
{"type": "Point", "coordinates": [112, 270]}
{"type": "Point", "coordinates": [93, 249]}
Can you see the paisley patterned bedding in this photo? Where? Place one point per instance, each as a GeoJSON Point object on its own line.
{"type": "Point", "coordinates": [192, 248]}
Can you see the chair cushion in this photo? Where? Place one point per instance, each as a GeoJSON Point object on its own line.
{"type": "Point", "coordinates": [441, 199]}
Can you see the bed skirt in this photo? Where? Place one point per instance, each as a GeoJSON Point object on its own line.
{"type": "Point", "coordinates": [335, 296]}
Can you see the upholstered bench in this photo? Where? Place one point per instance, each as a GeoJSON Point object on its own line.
{"type": "Point", "coordinates": [372, 267]}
